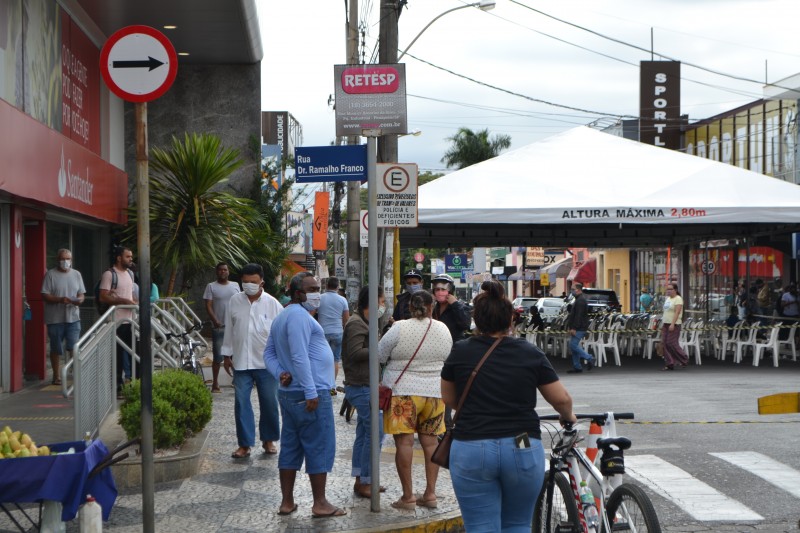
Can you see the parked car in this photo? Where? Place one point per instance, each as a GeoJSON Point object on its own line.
{"type": "Point", "coordinates": [598, 300]}
{"type": "Point", "coordinates": [549, 308]}
{"type": "Point", "coordinates": [521, 304]}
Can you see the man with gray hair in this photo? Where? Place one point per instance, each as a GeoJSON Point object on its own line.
{"type": "Point", "coordinates": [300, 358]}
{"type": "Point", "coordinates": [62, 292]}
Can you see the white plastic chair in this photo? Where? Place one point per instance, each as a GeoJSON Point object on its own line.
{"type": "Point", "coordinates": [770, 343]}
{"type": "Point", "coordinates": [653, 339]}
{"type": "Point", "coordinates": [605, 341]}
{"type": "Point", "coordinates": [749, 341]}
{"type": "Point", "coordinates": [790, 340]}
{"type": "Point", "coordinates": [692, 339]}
{"type": "Point", "coordinates": [729, 338]}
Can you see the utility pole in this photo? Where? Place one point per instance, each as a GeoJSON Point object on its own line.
{"type": "Point", "coordinates": [353, 187]}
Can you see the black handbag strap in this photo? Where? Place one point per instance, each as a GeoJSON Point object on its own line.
{"type": "Point", "coordinates": [472, 378]}
{"type": "Point", "coordinates": [430, 321]}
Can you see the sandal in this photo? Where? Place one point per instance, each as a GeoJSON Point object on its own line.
{"type": "Point", "coordinates": [56, 381]}
{"type": "Point", "coordinates": [668, 367]}
{"type": "Point", "coordinates": [430, 504]}
{"type": "Point", "coordinates": [241, 453]}
{"type": "Point", "coordinates": [216, 390]}
{"type": "Point", "coordinates": [270, 449]}
{"type": "Point", "coordinates": [404, 506]}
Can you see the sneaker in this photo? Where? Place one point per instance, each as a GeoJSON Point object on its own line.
{"type": "Point", "coordinates": [590, 365]}
{"type": "Point", "coordinates": [574, 371]}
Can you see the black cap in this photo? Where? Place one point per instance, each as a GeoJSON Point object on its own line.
{"type": "Point", "coordinates": [413, 273]}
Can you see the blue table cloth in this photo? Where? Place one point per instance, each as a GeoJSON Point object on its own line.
{"type": "Point", "coordinates": [62, 478]}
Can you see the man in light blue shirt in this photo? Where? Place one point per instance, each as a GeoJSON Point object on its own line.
{"type": "Point", "coordinates": [299, 357]}
{"type": "Point", "coordinates": [333, 314]}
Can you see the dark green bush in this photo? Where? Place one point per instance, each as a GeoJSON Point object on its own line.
{"type": "Point", "coordinates": [181, 407]}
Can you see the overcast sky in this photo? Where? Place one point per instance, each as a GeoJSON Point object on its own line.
{"type": "Point", "coordinates": [507, 48]}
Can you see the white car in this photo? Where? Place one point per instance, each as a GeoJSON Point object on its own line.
{"type": "Point", "coordinates": [549, 308]}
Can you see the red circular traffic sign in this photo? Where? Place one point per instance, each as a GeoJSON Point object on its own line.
{"type": "Point", "coordinates": [418, 257]}
{"type": "Point", "coordinates": [138, 63]}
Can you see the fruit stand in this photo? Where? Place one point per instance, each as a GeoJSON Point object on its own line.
{"type": "Point", "coordinates": [67, 475]}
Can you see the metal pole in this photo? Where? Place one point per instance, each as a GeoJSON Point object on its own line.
{"type": "Point", "coordinates": [143, 216]}
{"type": "Point", "coordinates": [374, 281]}
{"type": "Point", "coordinates": [353, 247]}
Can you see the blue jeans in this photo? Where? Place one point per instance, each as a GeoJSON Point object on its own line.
{"type": "Point", "coordinates": [63, 331]}
{"type": "Point", "coordinates": [335, 342]}
{"type": "Point", "coordinates": [358, 396]}
{"type": "Point", "coordinates": [268, 422]}
{"type": "Point", "coordinates": [578, 352]}
{"type": "Point", "coordinates": [307, 436]}
{"type": "Point", "coordinates": [496, 483]}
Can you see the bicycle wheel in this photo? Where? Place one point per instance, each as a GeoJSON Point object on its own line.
{"type": "Point", "coordinates": [630, 509]}
{"type": "Point", "coordinates": [564, 511]}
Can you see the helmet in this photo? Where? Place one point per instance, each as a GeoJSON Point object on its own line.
{"type": "Point", "coordinates": [413, 273]}
{"type": "Point", "coordinates": [444, 278]}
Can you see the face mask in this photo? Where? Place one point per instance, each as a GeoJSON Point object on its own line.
{"type": "Point", "coordinates": [441, 296]}
{"type": "Point", "coordinates": [312, 301]}
{"type": "Point", "coordinates": [251, 289]}
{"type": "Point", "coordinates": [65, 264]}
{"type": "Point", "coordinates": [381, 311]}
{"type": "Point", "coordinates": [413, 288]}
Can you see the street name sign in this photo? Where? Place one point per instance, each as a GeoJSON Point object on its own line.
{"type": "Point", "coordinates": [330, 163]}
{"type": "Point", "coordinates": [138, 63]}
{"type": "Point", "coordinates": [397, 195]}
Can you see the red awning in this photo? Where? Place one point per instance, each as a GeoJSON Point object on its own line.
{"type": "Point", "coordinates": [586, 272]}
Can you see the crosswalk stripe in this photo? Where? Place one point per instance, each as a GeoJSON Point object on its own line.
{"type": "Point", "coordinates": [782, 476]}
{"type": "Point", "coordinates": [694, 497]}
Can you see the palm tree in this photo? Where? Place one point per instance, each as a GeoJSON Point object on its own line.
{"type": "Point", "coordinates": [470, 147]}
{"type": "Point", "coordinates": [192, 223]}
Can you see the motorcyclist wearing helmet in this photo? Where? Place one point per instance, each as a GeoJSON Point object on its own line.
{"type": "Point", "coordinates": [413, 283]}
{"type": "Point", "coordinates": [448, 309]}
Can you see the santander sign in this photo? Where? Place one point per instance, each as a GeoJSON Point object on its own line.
{"type": "Point", "coordinates": [370, 80]}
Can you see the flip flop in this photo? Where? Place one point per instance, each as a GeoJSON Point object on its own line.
{"type": "Point", "coordinates": [333, 514]}
{"type": "Point", "coordinates": [272, 450]}
{"type": "Point", "coordinates": [287, 513]}
{"type": "Point", "coordinates": [56, 381]}
{"type": "Point", "coordinates": [430, 504]}
{"type": "Point", "coordinates": [216, 390]}
{"type": "Point", "coordinates": [404, 506]}
{"type": "Point", "coordinates": [237, 455]}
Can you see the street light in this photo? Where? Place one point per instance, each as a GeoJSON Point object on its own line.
{"type": "Point", "coordinates": [484, 5]}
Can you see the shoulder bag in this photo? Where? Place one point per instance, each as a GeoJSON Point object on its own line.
{"type": "Point", "coordinates": [384, 392]}
{"type": "Point", "coordinates": [441, 455]}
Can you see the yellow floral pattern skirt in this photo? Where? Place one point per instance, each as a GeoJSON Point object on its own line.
{"type": "Point", "coordinates": [414, 414]}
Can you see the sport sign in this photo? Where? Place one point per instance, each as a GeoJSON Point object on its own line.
{"type": "Point", "coordinates": [138, 63]}
{"type": "Point", "coordinates": [370, 97]}
{"type": "Point", "coordinates": [397, 195]}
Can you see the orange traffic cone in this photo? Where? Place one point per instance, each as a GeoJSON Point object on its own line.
{"type": "Point", "coordinates": [591, 444]}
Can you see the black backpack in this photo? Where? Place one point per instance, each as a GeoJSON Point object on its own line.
{"type": "Point", "coordinates": [100, 306]}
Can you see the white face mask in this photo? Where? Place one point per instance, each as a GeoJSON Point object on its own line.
{"type": "Point", "coordinates": [312, 301]}
{"type": "Point", "coordinates": [65, 264]}
{"type": "Point", "coordinates": [381, 311]}
{"type": "Point", "coordinates": [251, 289]}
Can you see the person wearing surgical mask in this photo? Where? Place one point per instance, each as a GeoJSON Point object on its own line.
{"type": "Point", "coordinates": [300, 358]}
{"type": "Point", "coordinates": [248, 321]}
{"type": "Point", "coordinates": [62, 291]}
{"type": "Point", "coordinates": [355, 363]}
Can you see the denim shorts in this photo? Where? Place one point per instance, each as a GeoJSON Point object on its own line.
{"type": "Point", "coordinates": [306, 435]}
{"type": "Point", "coordinates": [63, 331]}
{"type": "Point", "coordinates": [217, 337]}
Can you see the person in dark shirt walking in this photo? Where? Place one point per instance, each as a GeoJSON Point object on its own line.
{"type": "Point", "coordinates": [577, 324]}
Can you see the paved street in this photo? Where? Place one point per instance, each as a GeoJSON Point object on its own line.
{"type": "Point", "coordinates": [707, 459]}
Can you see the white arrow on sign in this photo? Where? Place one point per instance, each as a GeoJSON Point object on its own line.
{"type": "Point", "coordinates": [138, 63]}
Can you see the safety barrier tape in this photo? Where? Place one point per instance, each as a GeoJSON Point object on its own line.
{"type": "Point", "coordinates": [704, 422]}
{"type": "Point", "coordinates": [626, 330]}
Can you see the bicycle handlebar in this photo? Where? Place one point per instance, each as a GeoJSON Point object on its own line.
{"type": "Point", "coordinates": [195, 327]}
{"type": "Point", "coordinates": [601, 416]}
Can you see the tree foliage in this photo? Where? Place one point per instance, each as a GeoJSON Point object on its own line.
{"type": "Point", "coordinates": [470, 147]}
{"type": "Point", "coordinates": [193, 224]}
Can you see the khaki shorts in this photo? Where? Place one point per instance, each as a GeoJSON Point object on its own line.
{"type": "Point", "coordinates": [414, 414]}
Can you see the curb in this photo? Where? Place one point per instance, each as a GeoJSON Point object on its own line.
{"type": "Point", "coordinates": [446, 523]}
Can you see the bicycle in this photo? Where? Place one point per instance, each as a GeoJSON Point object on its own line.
{"type": "Point", "coordinates": [186, 350]}
{"type": "Point", "coordinates": [620, 506]}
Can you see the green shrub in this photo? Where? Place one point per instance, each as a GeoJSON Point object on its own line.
{"type": "Point", "coordinates": [181, 407]}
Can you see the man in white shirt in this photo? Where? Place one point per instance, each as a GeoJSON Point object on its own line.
{"type": "Point", "coordinates": [247, 325]}
{"type": "Point", "coordinates": [217, 296]}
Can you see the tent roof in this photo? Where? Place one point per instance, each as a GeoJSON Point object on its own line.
{"type": "Point", "coordinates": [588, 188]}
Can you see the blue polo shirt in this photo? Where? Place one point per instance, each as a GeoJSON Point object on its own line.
{"type": "Point", "coordinates": [332, 306]}
{"type": "Point", "coordinates": [297, 345]}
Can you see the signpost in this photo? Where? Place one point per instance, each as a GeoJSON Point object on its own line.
{"type": "Point", "coordinates": [139, 64]}
{"type": "Point", "coordinates": [364, 233]}
{"type": "Point", "coordinates": [371, 97]}
{"type": "Point", "coordinates": [397, 195]}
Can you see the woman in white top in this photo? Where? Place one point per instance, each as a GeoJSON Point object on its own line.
{"type": "Point", "coordinates": [671, 329]}
{"type": "Point", "coordinates": [419, 345]}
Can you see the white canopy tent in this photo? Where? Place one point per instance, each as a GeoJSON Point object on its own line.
{"type": "Point", "coordinates": [588, 188]}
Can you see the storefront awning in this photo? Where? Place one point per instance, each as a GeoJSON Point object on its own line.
{"type": "Point", "coordinates": [559, 269]}
{"type": "Point", "coordinates": [585, 273]}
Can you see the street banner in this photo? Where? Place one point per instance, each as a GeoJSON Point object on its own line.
{"type": "Point", "coordinates": [370, 97]}
{"type": "Point", "coordinates": [320, 231]}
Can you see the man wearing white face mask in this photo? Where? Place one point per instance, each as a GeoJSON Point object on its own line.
{"type": "Point", "coordinates": [299, 356]}
{"type": "Point", "coordinates": [62, 292]}
{"type": "Point", "coordinates": [247, 327]}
